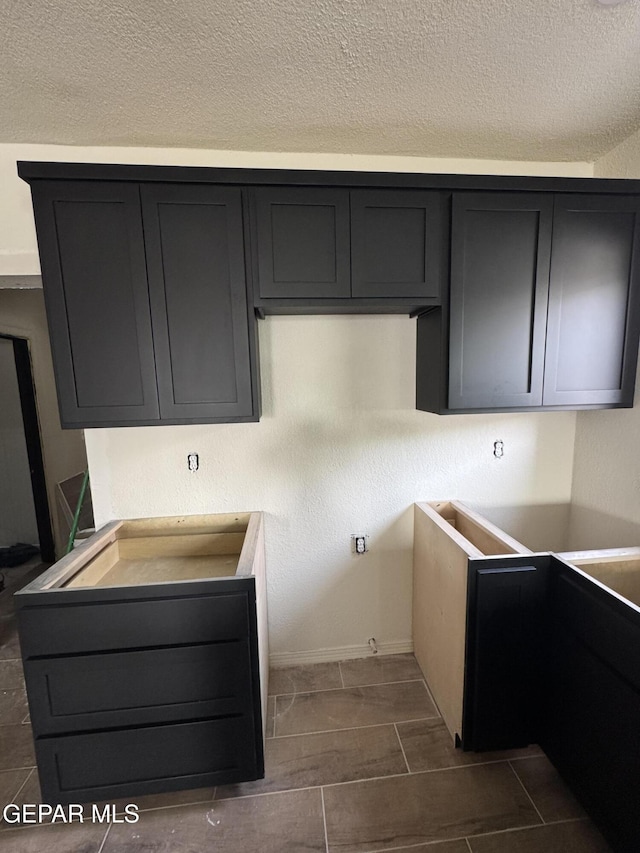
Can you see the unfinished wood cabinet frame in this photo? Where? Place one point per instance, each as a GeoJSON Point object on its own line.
{"type": "Point", "coordinates": [447, 535]}
{"type": "Point", "coordinates": [617, 569]}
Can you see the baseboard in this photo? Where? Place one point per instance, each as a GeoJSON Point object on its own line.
{"type": "Point", "coordinates": [395, 647]}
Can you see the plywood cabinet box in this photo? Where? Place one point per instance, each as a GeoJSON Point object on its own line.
{"type": "Point", "coordinates": [522, 648]}
{"type": "Point", "coordinates": [145, 654]}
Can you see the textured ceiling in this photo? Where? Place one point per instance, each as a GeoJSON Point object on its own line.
{"type": "Point", "coordinates": [499, 79]}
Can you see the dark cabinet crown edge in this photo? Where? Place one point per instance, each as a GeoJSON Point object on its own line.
{"type": "Point", "coordinates": [38, 170]}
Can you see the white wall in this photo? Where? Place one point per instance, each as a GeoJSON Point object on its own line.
{"type": "Point", "coordinates": [17, 513]}
{"type": "Point", "coordinates": [339, 450]}
{"type": "Point", "coordinates": [605, 508]}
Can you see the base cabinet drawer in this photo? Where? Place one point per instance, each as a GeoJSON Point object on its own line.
{"type": "Point", "coordinates": [107, 765]}
{"type": "Point", "coordinates": [104, 625]}
{"type": "Point", "coordinates": [72, 694]}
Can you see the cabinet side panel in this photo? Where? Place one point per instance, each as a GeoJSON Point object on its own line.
{"type": "Point", "coordinates": [439, 615]}
{"type": "Point", "coordinates": [432, 361]}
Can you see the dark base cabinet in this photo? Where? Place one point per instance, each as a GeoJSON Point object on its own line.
{"type": "Point", "coordinates": [150, 686]}
{"type": "Point", "coordinates": [521, 648]}
{"type": "Point", "coordinates": [590, 728]}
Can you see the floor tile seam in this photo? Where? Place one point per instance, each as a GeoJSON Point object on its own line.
{"type": "Point", "coordinates": [4, 827]}
{"type": "Point", "coordinates": [404, 754]}
{"type": "Point", "coordinates": [421, 844]}
{"type": "Point", "coordinates": [29, 775]}
{"type": "Point", "coordinates": [173, 806]}
{"type": "Point", "coordinates": [415, 773]}
{"type": "Point", "coordinates": [104, 838]}
{"type": "Point", "coordinates": [527, 826]}
{"type": "Point", "coordinates": [22, 767]}
{"type": "Point", "coordinates": [350, 687]}
{"type": "Point", "coordinates": [325, 785]}
{"type": "Point", "coordinates": [524, 788]}
{"type": "Point", "coordinates": [324, 820]}
{"type": "Point", "coordinates": [250, 796]}
{"type": "Point", "coordinates": [341, 673]}
{"type": "Point", "coordinates": [465, 838]}
{"type": "Point", "coordinates": [353, 728]}
{"type": "Point", "coordinates": [431, 696]}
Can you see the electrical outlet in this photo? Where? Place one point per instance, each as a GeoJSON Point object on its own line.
{"type": "Point", "coordinates": [498, 449]}
{"type": "Point", "coordinates": [193, 461]}
{"type": "Point", "coordinates": [359, 543]}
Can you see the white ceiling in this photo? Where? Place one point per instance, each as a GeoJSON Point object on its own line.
{"type": "Point", "coordinates": [498, 79]}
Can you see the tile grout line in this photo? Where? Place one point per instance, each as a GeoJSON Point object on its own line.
{"type": "Point", "coordinates": [404, 755]}
{"type": "Point", "coordinates": [456, 768]}
{"type": "Point", "coordinates": [29, 775]}
{"type": "Point", "coordinates": [104, 840]}
{"type": "Point", "coordinates": [324, 820]}
{"type": "Point", "coordinates": [513, 770]}
{"type": "Point", "coordinates": [526, 827]}
{"type": "Point", "coordinates": [341, 675]}
{"type": "Point", "coordinates": [367, 726]}
{"type": "Point", "coordinates": [419, 680]}
{"type": "Point", "coordinates": [437, 842]}
{"type": "Point", "coordinates": [25, 766]}
{"type": "Point", "coordinates": [431, 696]}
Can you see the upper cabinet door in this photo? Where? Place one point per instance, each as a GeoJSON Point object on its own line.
{"type": "Point", "coordinates": [592, 332]}
{"type": "Point", "coordinates": [201, 325]}
{"type": "Point", "coordinates": [95, 287]}
{"type": "Point", "coordinates": [303, 242]}
{"type": "Point", "coordinates": [397, 243]}
{"type": "Point", "coordinates": [499, 285]}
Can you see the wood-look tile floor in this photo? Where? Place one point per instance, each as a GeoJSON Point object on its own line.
{"type": "Point", "coordinates": [357, 760]}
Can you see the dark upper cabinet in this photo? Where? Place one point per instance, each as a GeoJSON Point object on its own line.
{"type": "Point", "coordinates": [397, 244]}
{"type": "Point", "coordinates": [593, 324]}
{"type": "Point", "coordinates": [95, 286]}
{"type": "Point", "coordinates": [500, 254]}
{"type": "Point", "coordinates": [339, 249]}
{"type": "Point", "coordinates": [147, 302]}
{"type": "Point", "coordinates": [544, 307]}
{"type": "Point", "coordinates": [201, 327]}
{"type": "Point", "coordinates": [303, 243]}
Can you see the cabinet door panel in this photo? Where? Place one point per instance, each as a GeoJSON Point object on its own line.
{"type": "Point", "coordinates": [593, 312]}
{"type": "Point", "coordinates": [95, 285]}
{"type": "Point", "coordinates": [201, 326]}
{"type": "Point", "coordinates": [499, 286]}
{"type": "Point", "coordinates": [303, 242]}
{"type": "Point", "coordinates": [396, 243]}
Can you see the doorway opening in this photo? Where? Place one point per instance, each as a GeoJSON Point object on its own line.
{"type": "Point", "coordinates": [25, 515]}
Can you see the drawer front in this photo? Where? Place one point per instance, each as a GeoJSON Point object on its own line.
{"type": "Point", "coordinates": [133, 762]}
{"type": "Point", "coordinates": [98, 691]}
{"type": "Point", "coordinates": [143, 623]}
